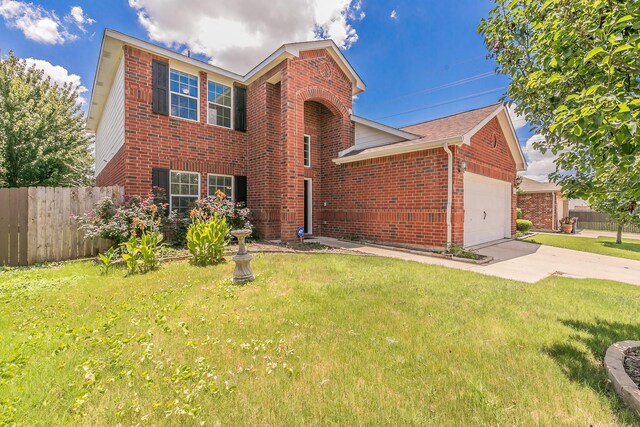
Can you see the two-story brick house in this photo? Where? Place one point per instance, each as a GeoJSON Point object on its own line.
{"type": "Point", "coordinates": [283, 139]}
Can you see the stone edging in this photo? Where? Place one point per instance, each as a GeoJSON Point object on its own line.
{"type": "Point", "coordinates": [622, 383]}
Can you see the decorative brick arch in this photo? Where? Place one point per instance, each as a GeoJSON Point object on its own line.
{"type": "Point", "coordinates": [324, 97]}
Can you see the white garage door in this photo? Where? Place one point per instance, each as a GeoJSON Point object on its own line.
{"type": "Point", "coordinates": [487, 209]}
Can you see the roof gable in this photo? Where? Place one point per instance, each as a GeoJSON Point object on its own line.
{"type": "Point", "coordinates": [456, 129]}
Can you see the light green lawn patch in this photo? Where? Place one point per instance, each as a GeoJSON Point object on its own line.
{"type": "Point", "coordinates": [629, 248]}
{"type": "Point", "coordinates": [315, 340]}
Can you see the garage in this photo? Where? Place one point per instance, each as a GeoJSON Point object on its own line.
{"type": "Point", "coordinates": [487, 209]}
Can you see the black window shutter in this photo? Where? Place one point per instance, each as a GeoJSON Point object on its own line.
{"type": "Point", "coordinates": [240, 113]}
{"type": "Point", "coordinates": [160, 78]}
{"type": "Point", "coordinates": [160, 178]}
{"type": "Point", "coordinates": [240, 189]}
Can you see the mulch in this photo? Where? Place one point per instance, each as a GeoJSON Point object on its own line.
{"type": "Point", "coordinates": [632, 364]}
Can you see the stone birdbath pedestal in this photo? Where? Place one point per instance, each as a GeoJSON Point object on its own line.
{"type": "Point", "coordinates": [243, 272]}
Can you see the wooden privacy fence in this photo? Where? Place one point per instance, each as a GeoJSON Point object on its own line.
{"type": "Point", "coordinates": [37, 223]}
{"type": "Point", "coordinates": [599, 221]}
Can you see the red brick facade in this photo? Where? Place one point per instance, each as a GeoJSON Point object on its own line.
{"type": "Point", "coordinates": [539, 209]}
{"type": "Point", "coordinates": [395, 199]}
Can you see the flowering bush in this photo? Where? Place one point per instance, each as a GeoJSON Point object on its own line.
{"type": "Point", "coordinates": [236, 214]}
{"type": "Point", "coordinates": [118, 223]}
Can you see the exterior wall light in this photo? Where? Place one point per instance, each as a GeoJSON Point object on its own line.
{"type": "Point", "coordinates": [463, 166]}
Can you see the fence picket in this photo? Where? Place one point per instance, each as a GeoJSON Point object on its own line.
{"type": "Point", "coordinates": [5, 208]}
{"type": "Point", "coordinates": [36, 223]}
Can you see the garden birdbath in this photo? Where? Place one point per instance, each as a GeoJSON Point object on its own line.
{"type": "Point", "coordinates": [243, 272]}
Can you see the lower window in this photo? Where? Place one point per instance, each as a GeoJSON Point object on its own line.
{"type": "Point", "coordinates": [222, 183]}
{"type": "Point", "coordinates": [185, 191]}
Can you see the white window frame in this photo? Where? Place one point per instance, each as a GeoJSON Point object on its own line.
{"type": "Point", "coordinates": [230, 107]}
{"type": "Point", "coordinates": [233, 185]}
{"type": "Point", "coordinates": [186, 96]}
{"type": "Point", "coordinates": [171, 195]}
{"type": "Point", "coordinates": [306, 147]}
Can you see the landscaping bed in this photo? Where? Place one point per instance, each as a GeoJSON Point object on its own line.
{"type": "Point", "coordinates": [632, 364]}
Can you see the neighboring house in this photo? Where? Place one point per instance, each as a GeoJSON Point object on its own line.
{"type": "Point", "coordinates": [542, 203]}
{"type": "Point", "coordinates": [283, 139]}
{"type": "Point", "coordinates": [579, 205]}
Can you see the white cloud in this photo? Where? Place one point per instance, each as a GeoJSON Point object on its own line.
{"type": "Point", "coordinates": [59, 75]}
{"type": "Point", "coordinates": [539, 165]}
{"type": "Point", "coordinates": [238, 34]}
{"type": "Point", "coordinates": [518, 121]}
{"type": "Point", "coordinates": [78, 17]}
{"type": "Point", "coordinates": [39, 24]}
{"type": "Point", "coordinates": [394, 15]}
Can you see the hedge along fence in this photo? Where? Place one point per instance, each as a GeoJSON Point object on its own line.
{"type": "Point", "coordinates": [37, 223]}
{"type": "Point", "coordinates": [600, 221]}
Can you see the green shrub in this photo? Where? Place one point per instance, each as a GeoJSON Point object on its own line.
{"type": "Point", "coordinates": [460, 252]}
{"type": "Point", "coordinates": [141, 254]}
{"type": "Point", "coordinates": [523, 225]}
{"type": "Point", "coordinates": [518, 213]}
{"type": "Point", "coordinates": [206, 239]}
{"type": "Point", "coordinates": [107, 260]}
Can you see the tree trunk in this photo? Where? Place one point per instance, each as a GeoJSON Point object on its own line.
{"type": "Point", "coordinates": [619, 234]}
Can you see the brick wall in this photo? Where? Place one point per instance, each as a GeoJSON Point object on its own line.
{"type": "Point", "coordinates": [403, 198]}
{"type": "Point", "coordinates": [154, 140]}
{"type": "Point", "coordinates": [488, 155]}
{"type": "Point", "coordinates": [538, 208]}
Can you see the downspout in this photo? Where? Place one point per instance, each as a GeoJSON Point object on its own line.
{"type": "Point", "coordinates": [449, 190]}
{"type": "Point", "coordinates": [553, 212]}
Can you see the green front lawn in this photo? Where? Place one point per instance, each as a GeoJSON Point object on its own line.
{"type": "Point", "coordinates": [316, 340]}
{"type": "Point", "coordinates": [629, 248]}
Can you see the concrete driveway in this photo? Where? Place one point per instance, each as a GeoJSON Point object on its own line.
{"type": "Point", "coordinates": [516, 260]}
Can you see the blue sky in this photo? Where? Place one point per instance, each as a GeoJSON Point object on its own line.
{"type": "Point", "coordinates": [419, 60]}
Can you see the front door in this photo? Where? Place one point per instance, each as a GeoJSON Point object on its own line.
{"type": "Point", "coordinates": [307, 206]}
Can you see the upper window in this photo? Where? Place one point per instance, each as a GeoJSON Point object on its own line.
{"type": "Point", "coordinates": [219, 97]}
{"type": "Point", "coordinates": [307, 151]}
{"type": "Point", "coordinates": [185, 190]}
{"type": "Point", "coordinates": [222, 183]}
{"type": "Point", "coordinates": [184, 95]}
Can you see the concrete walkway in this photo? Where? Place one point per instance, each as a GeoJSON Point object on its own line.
{"type": "Point", "coordinates": [516, 260]}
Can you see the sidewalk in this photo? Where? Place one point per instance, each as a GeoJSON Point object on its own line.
{"type": "Point", "coordinates": [521, 261]}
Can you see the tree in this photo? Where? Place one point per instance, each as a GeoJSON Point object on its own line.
{"type": "Point", "coordinates": [574, 67]}
{"type": "Point", "coordinates": [43, 141]}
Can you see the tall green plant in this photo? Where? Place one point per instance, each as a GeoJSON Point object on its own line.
{"type": "Point", "coordinates": [141, 254]}
{"type": "Point", "coordinates": [206, 239]}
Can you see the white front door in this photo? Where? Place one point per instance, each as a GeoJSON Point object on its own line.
{"type": "Point", "coordinates": [487, 209]}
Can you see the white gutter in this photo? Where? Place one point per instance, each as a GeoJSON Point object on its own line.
{"type": "Point", "coordinates": [449, 190]}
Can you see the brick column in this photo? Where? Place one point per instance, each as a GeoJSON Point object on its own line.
{"type": "Point", "coordinates": [292, 128]}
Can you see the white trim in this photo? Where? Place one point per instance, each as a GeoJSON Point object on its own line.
{"type": "Point", "coordinates": [224, 106]}
{"type": "Point", "coordinates": [512, 141]}
{"type": "Point", "coordinates": [418, 146]}
{"type": "Point", "coordinates": [309, 208]}
{"type": "Point", "coordinates": [183, 195]}
{"type": "Point", "coordinates": [233, 185]}
{"type": "Point", "coordinates": [305, 137]}
{"type": "Point", "coordinates": [514, 135]}
{"type": "Point", "coordinates": [384, 128]}
{"type": "Point", "coordinates": [467, 136]}
{"type": "Point", "coordinates": [197, 98]}
{"type": "Point", "coordinates": [113, 38]}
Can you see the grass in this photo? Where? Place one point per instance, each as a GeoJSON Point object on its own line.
{"type": "Point", "coordinates": [316, 340]}
{"type": "Point", "coordinates": [629, 248]}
